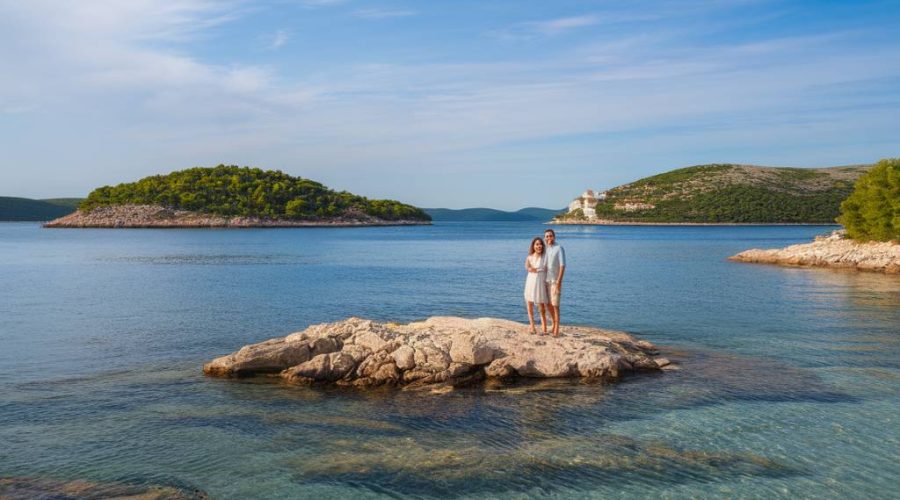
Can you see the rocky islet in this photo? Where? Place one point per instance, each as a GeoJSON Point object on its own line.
{"type": "Point", "coordinates": [440, 350]}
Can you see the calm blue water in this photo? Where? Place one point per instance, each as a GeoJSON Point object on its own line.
{"type": "Point", "coordinates": [790, 379]}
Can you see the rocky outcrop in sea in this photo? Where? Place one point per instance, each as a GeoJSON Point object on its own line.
{"type": "Point", "coordinates": [440, 350]}
{"type": "Point", "coordinates": [833, 250]}
{"type": "Point", "coordinates": [138, 216]}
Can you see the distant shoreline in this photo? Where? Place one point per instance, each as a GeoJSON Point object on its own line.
{"type": "Point", "coordinates": [629, 223]}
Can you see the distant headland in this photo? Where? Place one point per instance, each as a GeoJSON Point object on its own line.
{"type": "Point", "coordinates": [721, 194]}
{"type": "Point", "coordinates": [16, 209]}
{"type": "Point", "coordinates": [232, 196]}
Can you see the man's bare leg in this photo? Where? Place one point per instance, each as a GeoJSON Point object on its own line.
{"type": "Point", "coordinates": [555, 320]}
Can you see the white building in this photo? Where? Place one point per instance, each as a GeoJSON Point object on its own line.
{"type": "Point", "coordinates": [587, 203]}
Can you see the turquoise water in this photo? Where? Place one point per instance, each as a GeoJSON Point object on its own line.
{"type": "Point", "coordinates": [789, 382]}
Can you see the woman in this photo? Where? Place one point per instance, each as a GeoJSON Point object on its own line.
{"type": "Point", "coordinates": [535, 283]}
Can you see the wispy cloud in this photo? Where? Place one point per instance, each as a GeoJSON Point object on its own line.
{"type": "Point", "coordinates": [278, 39]}
{"type": "Point", "coordinates": [564, 24]}
{"type": "Point", "coordinates": [381, 13]}
{"type": "Point", "coordinates": [321, 3]}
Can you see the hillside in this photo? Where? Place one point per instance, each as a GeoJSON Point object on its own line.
{"type": "Point", "coordinates": [726, 193]}
{"type": "Point", "coordinates": [530, 214]}
{"type": "Point", "coordinates": [26, 209]}
{"type": "Point", "coordinates": [70, 203]}
{"type": "Point", "coordinates": [231, 192]}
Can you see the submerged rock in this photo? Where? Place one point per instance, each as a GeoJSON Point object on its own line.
{"type": "Point", "coordinates": [833, 250]}
{"type": "Point", "coordinates": [13, 488]}
{"type": "Point", "coordinates": [447, 350]}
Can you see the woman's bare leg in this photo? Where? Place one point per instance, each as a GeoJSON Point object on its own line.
{"type": "Point", "coordinates": [529, 306]}
{"type": "Point", "coordinates": [543, 311]}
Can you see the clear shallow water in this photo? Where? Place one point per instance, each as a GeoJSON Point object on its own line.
{"type": "Point", "coordinates": [790, 380]}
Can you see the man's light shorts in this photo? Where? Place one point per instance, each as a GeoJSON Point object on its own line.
{"type": "Point", "coordinates": [555, 292]}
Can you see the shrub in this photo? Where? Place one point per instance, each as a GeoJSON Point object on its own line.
{"type": "Point", "coordinates": [872, 212]}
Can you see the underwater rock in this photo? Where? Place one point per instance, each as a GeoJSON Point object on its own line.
{"type": "Point", "coordinates": [13, 488]}
{"type": "Point", "coordinates": [448, 350]}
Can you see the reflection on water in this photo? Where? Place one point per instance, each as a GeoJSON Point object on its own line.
{"type": "Point", "coordinates": [787, 383]}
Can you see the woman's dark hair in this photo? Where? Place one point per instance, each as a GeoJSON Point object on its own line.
{"type": "Point", "coordinates": [531, 248]}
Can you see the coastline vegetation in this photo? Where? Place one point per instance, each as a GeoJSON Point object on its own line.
{"type": "Point", "coordinates": [229, 190]}
{"type": "Point", "coordinates": [872, 211]}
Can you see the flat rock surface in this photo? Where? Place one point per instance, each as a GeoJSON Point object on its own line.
{"type": "Point", "coordinates": [831, 251]}
{"type": "Point", "coordinates": [124, 216]}
{"type": "Point", "coordinates": [439, 350]}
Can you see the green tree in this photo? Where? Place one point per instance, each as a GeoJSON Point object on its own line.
{"type": "Point", "coordinates": [872, 212]}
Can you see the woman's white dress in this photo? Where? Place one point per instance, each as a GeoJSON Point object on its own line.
{"type": "Point", "coordinates": [536, 283]}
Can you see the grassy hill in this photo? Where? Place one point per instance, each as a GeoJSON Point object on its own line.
{"type": "Point", "coordinates": [732, 193]}
{"type": "Point", "coordinates": [530, 214]}
{"type": "Point", "coordinates": [26, 209]}
{"type": "Point", "coordinates": [251, 192]}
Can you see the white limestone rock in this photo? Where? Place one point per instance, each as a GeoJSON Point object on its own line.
{"type": "Point", "coordinates": [450, 350]}
{"type": "Point", "coordinates": [831, 251]}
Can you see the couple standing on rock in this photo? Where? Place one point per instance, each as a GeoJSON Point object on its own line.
{"type": "Point", "coordinates": [546, 265]}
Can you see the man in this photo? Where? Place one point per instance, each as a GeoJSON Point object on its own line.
{"type": "Point", "coordinates": [556, 268]}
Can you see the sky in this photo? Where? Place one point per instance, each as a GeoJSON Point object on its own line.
{"type": "Point", "coordinates": [456, 103]}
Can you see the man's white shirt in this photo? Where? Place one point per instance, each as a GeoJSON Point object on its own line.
{"type": "Point", "coordinates": [556, 257]}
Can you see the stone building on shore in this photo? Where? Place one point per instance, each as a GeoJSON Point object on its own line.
{"type": "Point", "coordinates": [587, 203]}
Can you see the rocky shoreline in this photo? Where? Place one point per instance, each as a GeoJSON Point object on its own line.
{"type": "Point", "coordinates": [153, 216]}
{"type": "Point", "coordinates": [834, 251]}
{"type": "Point", "coordinates": [447, 351]}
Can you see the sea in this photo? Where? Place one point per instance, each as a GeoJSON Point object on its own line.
{"type": "Point", "coordinates": [788, 379]}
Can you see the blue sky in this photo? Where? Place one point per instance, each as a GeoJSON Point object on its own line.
{"type": "Point", "coordinates": [454, 104]}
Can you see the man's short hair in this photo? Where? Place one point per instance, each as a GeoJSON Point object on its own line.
{"type": "Point", "coordinates": [550, 231]}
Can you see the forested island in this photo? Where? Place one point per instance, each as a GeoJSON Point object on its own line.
{"type": "Point", "coordinates": [232, 196]}
{"type": "Point", "coordinates": [723, 193]}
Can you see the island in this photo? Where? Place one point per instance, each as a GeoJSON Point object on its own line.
{"type": "Point", "coordinates": [442, 350]}
{"type": "Point", "coordinates": [870, 240]}
{"type": "Point", "coordinates": [720, 194]}
{"type": "Point", "coordinates": [232, 196]}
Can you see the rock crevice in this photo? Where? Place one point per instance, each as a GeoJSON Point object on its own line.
{"type": "Point", "coordinates": [360, 352]}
